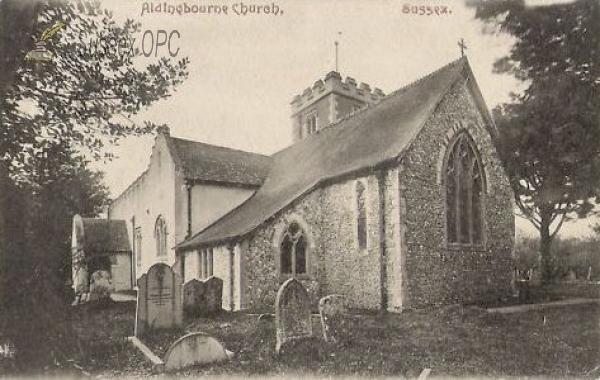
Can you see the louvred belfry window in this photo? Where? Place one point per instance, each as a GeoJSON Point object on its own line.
{"type": "Point", "coordinates": [311, 124]}
{"type": "Point", "coordinates": [464, 179]}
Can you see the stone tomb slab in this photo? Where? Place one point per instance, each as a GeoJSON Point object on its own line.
{"type": "Point", "coordinates": [159, 301]}
{"type": "Point", "coordinates": [292, 313]}
{"type": "Point", "coordinates": [194, 349]}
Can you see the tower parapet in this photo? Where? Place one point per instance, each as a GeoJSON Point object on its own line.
{"type": "Point", "coordinates": [333, 83]}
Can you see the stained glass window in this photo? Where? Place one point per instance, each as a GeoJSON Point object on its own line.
{"type": "Point", "coordinates": [294, 249]}
{"type": "Point", "coordinates": [464, 180]}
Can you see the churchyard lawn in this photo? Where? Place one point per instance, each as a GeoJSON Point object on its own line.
{"type": "Point", "coordinates": [454, 340]}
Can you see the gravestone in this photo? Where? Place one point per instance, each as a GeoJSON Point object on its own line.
{"type": "Point", "coordinates": [292, 313]}
{"type": "Point", "coordinates": [201, 298]}
{"type": "Point", "coordinates": [333, 310]}
{"type": "Point", "coordinates": [194, 298]}
{"type": "Point", "coordinates": [193, 349]}
{"type": "Point", "coordinates": [214, 295]}
{"type": "Point", "coordinates": [159, 300]}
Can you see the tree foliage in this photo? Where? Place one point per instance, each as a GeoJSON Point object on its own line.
{"type": "Point", "coordinates": [88, 94]}
{"type": "Point", "coordinates": [550, 133]}
{"type": "Point", "coordinates": [52, 116]}
{"type": "Point", "coordinates": [37, 269]}
{"type": "Point", "coordinates": [577, 255]}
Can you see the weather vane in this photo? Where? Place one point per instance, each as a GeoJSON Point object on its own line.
{"type": "Point", "coordinates": [462, 46]}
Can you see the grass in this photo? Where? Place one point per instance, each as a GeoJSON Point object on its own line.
{"type": "Point", "coordinates": [452, 341]}
{"type": "Point", "coordinates": [102, 333]}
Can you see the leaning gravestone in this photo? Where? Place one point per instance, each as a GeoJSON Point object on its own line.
{"type": "Point", "coordinates": [333, 310]}
{"type": "Point", "coordinates": [194, 298]}
{"type": "Point", "coordinates": [159, 299]}
{"type": "Point", "coordinates": [193, 349]}
{"type": "Point", "coordinates": [214, 295]}
{"type": "Point", "coordinates": [292, 313]}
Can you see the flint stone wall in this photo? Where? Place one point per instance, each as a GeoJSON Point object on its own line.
{"type": "Point", "coordinates": [435, 273]}
{"type": "Point", "coordinates": [420, 269]}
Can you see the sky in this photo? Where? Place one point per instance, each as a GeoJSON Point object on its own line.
{"type": "Point", "coordinates": [245, 69]}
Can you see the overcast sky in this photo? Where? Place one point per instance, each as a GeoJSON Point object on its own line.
{"type": "Point", "coordinates": [245, 70]}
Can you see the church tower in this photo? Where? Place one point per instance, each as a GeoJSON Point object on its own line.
{"type": "Point", "coordinates": [328, 101]}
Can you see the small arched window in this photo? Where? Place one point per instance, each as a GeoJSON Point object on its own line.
{"type": "Point", "coordinates": [361, 215]}
{"type": "Point", "coordinates": [293, 251]}
{"type": "Point", "coordinates": [160, 234]}
{"type": "Point", "coordinates": [465, 181]}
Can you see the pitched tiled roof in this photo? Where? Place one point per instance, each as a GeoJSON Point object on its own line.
{"type": "Point", "coordinates": [105, 236]}
{"type": "Point", "coordinates": [210, 163]}
{"type": "Point", "coordinates": [378, 134]}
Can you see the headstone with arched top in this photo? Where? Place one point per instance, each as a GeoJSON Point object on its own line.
{"type": "Point", "coordinates": [292, 313]}
{"type": "Point", "coordinates": [194, 298]}
{"type": "Point", "coordinates": [159, 300]}
{"type": "Point", "coordinates": [214, 295]}
{"type": "Point", "coordinates": [193, 349]}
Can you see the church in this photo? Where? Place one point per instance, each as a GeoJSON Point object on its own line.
{"type": "Point", "coordinates": [395, 201]}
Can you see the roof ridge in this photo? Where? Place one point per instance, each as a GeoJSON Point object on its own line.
{"type": "Point", "coordinates": [434, 85]}
{"type": "Point", "coordinates": [392, 94]}
{"type": "Point", "coordinates": [218, 146]}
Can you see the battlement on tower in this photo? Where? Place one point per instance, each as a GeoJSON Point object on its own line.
{"type": "Point", "coordinates": [333, 83]}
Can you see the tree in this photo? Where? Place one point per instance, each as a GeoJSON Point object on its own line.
{"type": "Point", "coordinates": [53, 114]}
{"type": "Point", "coordinates": [550, 134]}
{"type": "Point", "coordinates": [88, 94]}
{"type": "Point", "coordinates": [38, 324]}
{"type": "Point", "coordinates": [60, 186]}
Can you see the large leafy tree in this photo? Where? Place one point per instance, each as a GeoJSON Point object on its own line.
{"type": "Point", "coordinates": [550, 133]}
{"type": "Point", "coordinates": [89, 93]}
{"type": "Point", "coordinates": [52, 116]}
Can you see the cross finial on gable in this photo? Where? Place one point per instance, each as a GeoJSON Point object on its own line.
{"type": "Point", "coordinates": [463, 47]}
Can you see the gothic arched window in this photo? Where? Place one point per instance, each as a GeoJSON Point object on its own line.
{"type": "Point", "coordinates": [465, 179]}
{"type": "Point", "coordinates": [293, 251]}
{"type": "Point", "coordinates": [361, 216]}
{"type": "Point", "coordinates": [160, 233]}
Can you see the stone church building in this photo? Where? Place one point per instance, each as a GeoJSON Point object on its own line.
{"type": "Point", "coordinates": [396, 201]}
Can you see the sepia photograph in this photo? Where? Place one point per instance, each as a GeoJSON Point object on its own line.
{"type": "Point", "coordinates": [300, 189]}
